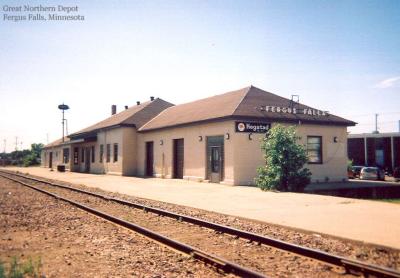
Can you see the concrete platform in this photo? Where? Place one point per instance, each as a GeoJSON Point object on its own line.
{"type": "Point", "coordinates": [369, 221]}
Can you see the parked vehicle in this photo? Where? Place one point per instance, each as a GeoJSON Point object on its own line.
{"type": "Point", "coordinates": [372, 173]}
{"type": "Point", "coordinates": [356, 171]}
{"type": "Point", "coordinates": [350, 173]}
{"type": "Point", "coordinates": [396, 174]}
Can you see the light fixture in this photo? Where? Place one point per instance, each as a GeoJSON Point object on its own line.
{"type": "Point", "coordinates": [161, 142]}
{"type": "Point", "coordinates": [200, 138]}
{"type": "Point", "coordinates": [335, 139]}
{"type": "Point", "coordinates": [250, 136]}
{"type": "Point", "coordinates": [227, 136]}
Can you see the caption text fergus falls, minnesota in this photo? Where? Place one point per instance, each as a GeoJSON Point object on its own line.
{"type": "Point", "coordinates": [41, 13]}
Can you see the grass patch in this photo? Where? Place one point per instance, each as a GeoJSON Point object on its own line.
{"type": "Point", "coordinates": [393, 201]}
{"type": "Point", "coordinates": [16, 269]}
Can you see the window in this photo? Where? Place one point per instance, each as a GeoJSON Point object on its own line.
{"type": "Point", "coordinates": [215, 159]}
{"type": "Point", "coordinates": [66, 155]}
{"type": "Point", "coordinates": [108, 154]}
{"type": "Point", "coordinates": [83, 155]}
{"type": "Point", "coordinates": [76, 154]}
{"type": "Point", "coordinates": [115, 152]}
{"type": "Point", "coordinates": [314, 149]}
{"type": "Point", "coordinates": [101, 153]}
{"type": "Point", "coordinates": [92, 153]}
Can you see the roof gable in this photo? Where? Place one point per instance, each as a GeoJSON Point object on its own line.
{"type": "Point", "coordinates": [253, 105]}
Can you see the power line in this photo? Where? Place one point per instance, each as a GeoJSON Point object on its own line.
{"type": "Point", "coordinates": [371, 114]}
{"type": "Point", "coordinates": [372, 124]}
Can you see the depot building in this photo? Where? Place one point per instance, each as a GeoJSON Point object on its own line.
{"type": "Point", "coordinates": [216, 139]}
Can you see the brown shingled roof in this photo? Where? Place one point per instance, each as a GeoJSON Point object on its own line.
{"type": "Point", "coordinates": [136, 116]}
{"type": "Point", "coordinates": [240, 104]}
{"type": "Point", "coordinates": [57, 142]}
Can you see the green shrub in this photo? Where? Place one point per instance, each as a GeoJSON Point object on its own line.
{"type": "Point", "coordinates": [30, 268]}
{"type": "Point", "coordinates": [2, 270]}
{"type": "Point", "coordinates": [285, 160]}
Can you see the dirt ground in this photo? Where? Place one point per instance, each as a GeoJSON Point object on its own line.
{"type": "Point", "coordinates": [366, 221]}
{"type": "Point", "coordinates": [269, 261]}
{"type": "Point", "coordinates": [72, 243]}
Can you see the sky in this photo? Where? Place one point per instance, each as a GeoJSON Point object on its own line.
{"type": "Point", "coordinates": [339, 56]}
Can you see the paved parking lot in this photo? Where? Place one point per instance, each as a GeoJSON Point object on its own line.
{"type": "Point", "coordinates": [369, 221]}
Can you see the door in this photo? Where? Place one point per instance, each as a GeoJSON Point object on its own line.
{"type": "Point", "coordinates": [149, 158]}
{"type": "Point", "coordinates": [216, 160]}
{"type": "Point", "coordinates": [178, 158]}
{"type": "Point", "coordinates": [87, 160]}
{"type": "Point", "coordinates": [51, 160]}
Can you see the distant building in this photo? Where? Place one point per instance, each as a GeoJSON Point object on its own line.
{"type": "Point", "coordinates": [216, 139]}
{"type": "Point", "coordinates": [375, 149]}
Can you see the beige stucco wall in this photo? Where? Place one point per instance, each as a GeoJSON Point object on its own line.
{"type": "Point", "coordinates": [57, 156]}
{"type": "Point", "coordinates": [125, 137]}
{"type": "Point", "coordinates": [129, 152]}
{"type": "Point", "coordinates": [248, 156]}
{"type": "Point", "coordinates": [334, 155]}
{"type": "Point", "coordinates": [242, 156]}
{"type": "Point", "coordinates": [194, 150]}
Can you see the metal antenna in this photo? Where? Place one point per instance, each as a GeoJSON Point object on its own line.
{"type": "Point", "coordinates": [292, 100]}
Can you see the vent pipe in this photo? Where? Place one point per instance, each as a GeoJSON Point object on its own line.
{"type": "Point", "coordinates": [113, 109]}
{"type": "Point", "coordinates": [151, 98]}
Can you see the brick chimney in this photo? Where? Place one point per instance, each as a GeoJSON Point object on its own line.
{"type": "Point", "coordinates": [126, 107]}
{"type": "Point", "coordinates": [151, 98]}
{"type": "Point", "coordinates": [113, 109]}
{"type": "Point", "coordinates": [137, 102]}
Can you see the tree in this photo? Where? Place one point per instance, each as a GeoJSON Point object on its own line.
{"type": "Point", "coordinates": [285, 160]}
{"type": "Point", "coordinates": [36, 149]}
{"type": "Point", "coordinates": [33, 158]}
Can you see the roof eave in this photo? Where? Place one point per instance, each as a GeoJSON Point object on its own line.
{"type": "Point", "coordinates": [252, 118]}
{"type": "Point", "coordinates": [97, 130]}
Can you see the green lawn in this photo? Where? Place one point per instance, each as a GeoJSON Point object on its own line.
{"type": "Point", "coordinates": [395, 201]}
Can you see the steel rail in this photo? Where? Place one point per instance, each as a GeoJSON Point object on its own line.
{"type": "Point", "coordinates": [351, 265]}
{"type": "Point", "coordinates": [211, 259]}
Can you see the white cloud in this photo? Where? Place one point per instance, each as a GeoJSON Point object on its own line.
{"type": "Point", "coordinates": [388, 83]}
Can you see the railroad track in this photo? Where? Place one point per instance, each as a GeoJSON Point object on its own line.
{"type": "Point", "coordinates": [351, 266]}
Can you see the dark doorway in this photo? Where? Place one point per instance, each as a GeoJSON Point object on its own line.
{"type": "Point", "coordinates": [178, 158]}
{"type": "Point", "coordinates": [87, 160]}
{"type": "Point", "coordinates": [149, 158]}
{"type": "Point", "coordinates": [51, 160]}
{"type": "Point", "coordinates": [215, 158]}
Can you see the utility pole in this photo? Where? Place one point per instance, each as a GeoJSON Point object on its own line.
{"type": "Point", "coordinates": [66, 126]}
{"type": "Point", "coordinates": [63, 107]}
{"type": "Point", "coordinates": [16, 143]}
{"type": "Point", "coordinates": [376, 123]}
{"type": "Point", "coordinates": [5, 143]}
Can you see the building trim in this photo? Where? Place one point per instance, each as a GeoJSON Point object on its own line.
{"type": "Point", "coordinates": [233, 118]}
